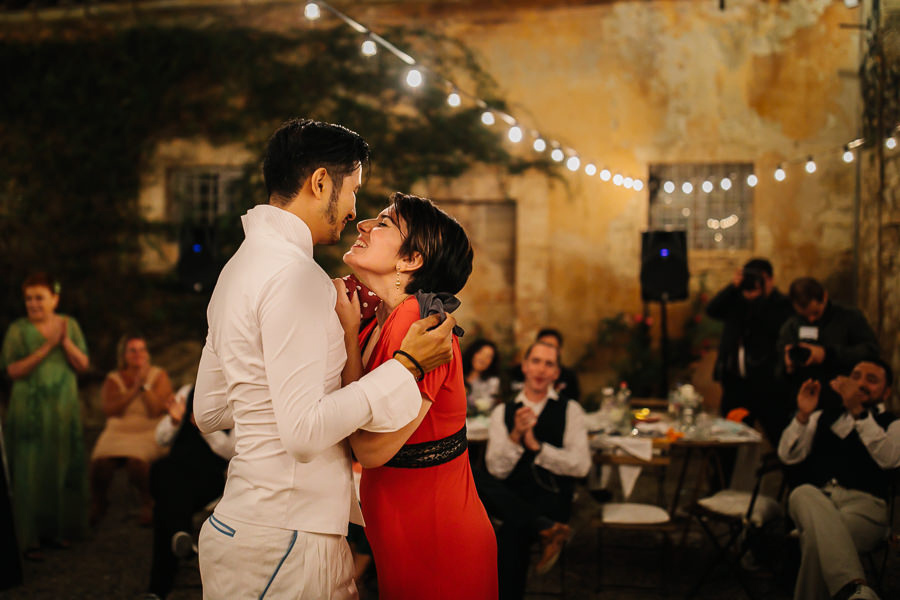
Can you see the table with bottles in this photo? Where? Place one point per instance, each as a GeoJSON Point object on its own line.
{"type": "Point", "coordinates": [623, 426]}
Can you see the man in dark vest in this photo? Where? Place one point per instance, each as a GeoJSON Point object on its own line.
{"type": "Point", "coordinates": [183, 482]}
{"type": "Point", "coordinates": [844, 451]}
{"type": "Point", "coordinates": [537, 447]}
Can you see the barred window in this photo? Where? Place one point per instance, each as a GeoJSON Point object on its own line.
{"type": "Point", "coordinates": [200, 194]}
{"type": "Point", "coordinates": [712, 202]}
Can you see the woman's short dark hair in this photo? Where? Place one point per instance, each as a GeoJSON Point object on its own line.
{"type": "Point", "coordinates": [804, 290]}
{"type": "Point", "coordinates": [440, 239]}
{"type": "Point", "coordinates": [300, 146]}
{"type": "Point", "coordinates": [472, 350]}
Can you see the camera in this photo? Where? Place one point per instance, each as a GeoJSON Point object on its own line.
{"type": "Point", "coordinates": [799, 355]}
{"type": "Point", "coordinates": [751, 280]}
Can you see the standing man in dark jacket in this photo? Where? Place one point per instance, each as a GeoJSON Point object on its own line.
{"type": "Point", "coordinates": [823, 340]}
{"type": "Point", "coordinates": [753, 311]}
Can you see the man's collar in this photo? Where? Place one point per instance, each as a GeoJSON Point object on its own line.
{"type": "Point", "coordinates": [551, 395]}
{"type": "Point", "coordinates": [267, 219]}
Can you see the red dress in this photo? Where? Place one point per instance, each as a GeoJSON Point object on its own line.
{"type": "Point", "coordinates": [430, 535]}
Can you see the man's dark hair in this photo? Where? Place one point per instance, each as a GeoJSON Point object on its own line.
{"type": "Point", "coordinates": [532, 346]}
{"type": "Point", "coordinates": [759, 264]}
{"type": "Point", "coordinates": [888, 372]}
{"type": "Point", "coordinates": [300, 146]}
{"type": "Point", "coordinates": [446, 252]}
{"type": "Point", "coordinates": [551, 332]}
{"type": "Point", "coordinates": [472, 350]}
{"type": "Point", "coordinates": [804, 290]}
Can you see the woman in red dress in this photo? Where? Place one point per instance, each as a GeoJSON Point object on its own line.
{"type": "Point", "coordinates": [430, 535]}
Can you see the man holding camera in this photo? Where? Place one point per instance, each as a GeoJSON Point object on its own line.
{"type": "Point", "coordinates": [823, 340]}
{"type": "Point", "coordinates": [752, 311]}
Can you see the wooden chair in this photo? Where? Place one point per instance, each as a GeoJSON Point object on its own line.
{"type": "Point", "coordinates": [743, 514]}
{"type": "Point", "coordinates": [628, 516]}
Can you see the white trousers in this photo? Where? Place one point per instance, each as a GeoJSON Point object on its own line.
{"type": "Point", "coordinates": [835, 524]}
{"type": "Point", "coordinates": [242, 561]}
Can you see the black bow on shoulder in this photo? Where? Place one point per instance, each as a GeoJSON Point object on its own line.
{"type": "Point", "coordinates": [438, 304]}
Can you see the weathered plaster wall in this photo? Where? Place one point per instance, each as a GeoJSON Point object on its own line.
{"type": "Point", "coordinates": [630, 84]}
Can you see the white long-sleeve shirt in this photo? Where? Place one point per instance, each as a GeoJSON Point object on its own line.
{"type": "Point", "coordinates": [883, 445]}
{"type": "Point", "coordinates": [573, 459]}
{"type": "Point", "coordinates": [271, 370]}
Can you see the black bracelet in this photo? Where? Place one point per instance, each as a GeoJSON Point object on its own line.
{"type": "Point", "coordinates": [413, 361]}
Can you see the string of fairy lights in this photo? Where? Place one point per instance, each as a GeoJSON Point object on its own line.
{"type": "Point", "coordinates": [417, 73]}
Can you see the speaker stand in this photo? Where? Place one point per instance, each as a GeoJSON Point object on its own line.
{"type": "Point", "coordinates": [664, 344]}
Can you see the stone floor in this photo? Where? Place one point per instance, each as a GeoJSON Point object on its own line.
{"type": "Point", "coordinates": [114, 564]}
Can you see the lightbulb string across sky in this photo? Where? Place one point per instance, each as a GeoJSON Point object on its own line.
{"type": "Point", "coordinates": [415, 77]}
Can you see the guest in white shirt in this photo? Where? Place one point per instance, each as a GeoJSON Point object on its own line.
{"type": "Point", "coordinates": [271, 370]}
{"type": "Point", "coordinates": [537, 447]}
{"type": "Point", "coordinates": [844, 451]}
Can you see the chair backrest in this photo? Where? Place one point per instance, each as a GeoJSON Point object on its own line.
{"type": "Point", "coordinates": [657, 464]}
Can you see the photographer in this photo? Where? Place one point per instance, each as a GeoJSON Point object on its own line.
{"type": "Point", "coordinates": [823, 340]}
{"type": "Point", "coordinates": [752, 311]}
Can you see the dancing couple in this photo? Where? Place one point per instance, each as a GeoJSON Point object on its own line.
{"type": "Point", "coordinates": [290, 367]}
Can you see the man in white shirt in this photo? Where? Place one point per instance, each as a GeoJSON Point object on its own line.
{"type": "Point", "coordinates": [271, 370]}
{"type": "Point", "coordinates": [537, 446]}
{"type": "Point", "coordinates": [844, 451]}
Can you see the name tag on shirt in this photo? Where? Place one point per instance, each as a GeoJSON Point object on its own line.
{"type": "Point", "coordinates": [808, 333]}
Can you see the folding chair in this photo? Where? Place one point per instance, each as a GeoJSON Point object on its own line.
{"type": "Point", "coordinates": [636, 517]}
{"type": "Point", "coordinates": [743, 513]}
{"type": "Point", "coordinates": [890, 542]}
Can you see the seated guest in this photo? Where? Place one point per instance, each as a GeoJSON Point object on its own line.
{"type": "Point", "coordinates": [481, 373]}
{"type": "Point", "coordinates": [844, 451]}
{"type": "Point", "coordinates": [135, 397]}
{"type": "Point", "coordinates": [566, 385]}
{"type": "Point", "coordinates": [537, 446]}
{"type": "Point", "coordinates": [191, 476]}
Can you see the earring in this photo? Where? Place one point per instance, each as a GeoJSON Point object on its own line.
{"type": "Point", "coordinates": [397, 283]}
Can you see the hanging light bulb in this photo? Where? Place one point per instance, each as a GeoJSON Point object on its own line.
{"type": "Point", "coordinates": [685, 212]}
{"type": "Point", "coordinates": [752, 180]}
{"type": "Point", "coordinates": [605, 175]}
{"type": "Point", "coordinates": [638, 185]}
{"type": "Point", "coordinates": [618, 179]}
{"type": "Point", "coordinates": [311, 11]}
{"type": "Point", "coordinates": [669, 187]}
{"type": "Point", "coordinates": [780, 174]}
{"type": "Point", "coordinates": [890, 143]}
{"type": "Point", "coordinates": [453, 99]}
{"type": "Point", "coordinates": [573, 163]}
{"type": "Point", "coordinates": [707, 186]}
{"type": "Point", "coordinates": [539, 145]}
{"type": "Point", "coordinates": [628, 183]}
{"type": "Point", "coordinates": [487, 117]}
{"type": "Point", "coordinates": [557, 155]}
{"type": "Point", "coordinates": [725, 184]}
{"type": "Point", "coordinates": [848, 155]}
{"type": "Point", "coordinates": [687, 187]}
{"type": "Point", "coordinates": [590, 169]}
{"type": "Point", "coordinates": [810, 165]}
{"type": "Point", "coordinates": [414, 78]}
{"type": "Point", "coordinates": [515, 134]}
{"type": "Point", "coordinates": [369, 48]}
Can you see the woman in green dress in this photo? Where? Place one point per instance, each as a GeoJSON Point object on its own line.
{"type": "Point", "coordinates": [44, 439]}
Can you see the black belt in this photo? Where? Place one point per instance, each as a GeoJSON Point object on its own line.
{"type": "Point", "coordinates": [430, 454]}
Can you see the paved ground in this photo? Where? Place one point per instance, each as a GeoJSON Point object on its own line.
{"type": "Point", "coordinates": [114, 564]}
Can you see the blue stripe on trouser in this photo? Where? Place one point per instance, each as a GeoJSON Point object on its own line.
{"type": "Point", "coordinates": [281, 562]}
{"type": "Point", "coordinates": [220, 526]}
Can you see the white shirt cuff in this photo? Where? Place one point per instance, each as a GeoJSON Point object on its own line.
{"type": "Point", "coordinates": [393, 396]}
